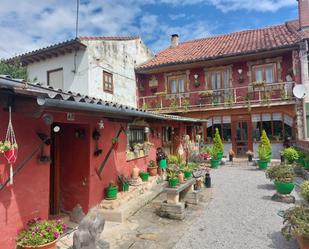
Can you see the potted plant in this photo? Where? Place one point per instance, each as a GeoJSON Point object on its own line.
{"type": "Point", "coordinates": [115, 141]}
{"type": "Point", "coordinates": [172, 178]}
{"type": "Point", "coordinates": [283, 175]}
{"type": "Point", "coordinates": [250, 155]}
{"type": "Point", "coordinates": [263, 157]}
{"type": "Point", "coordinates": [264, 151]}
{"type": "Point", "coordinates": [10, 151]}
{"type": "Point", "coordinates": [214, 161]}
{"type": "Point", "coordinates": [296, 224]}
{"type": "Point", "coordinates": [304, 190]}
{"type": "Point", "coordinates": [231, 155]}
{"type": "Point", "coordinates": [41, 234]}
{"type": "Point", "coordinates": [187, 170]}
{"type": "Point", "coordinates": [217, 144]}
{"type": "Point", "coordinates": [152, 168]}
{"type": "Point", "coordinates": [290, 155]}
{"type": "Point", "coordinates": [111, 191]}
{"type": "Point", "coordinates": [144, 175]}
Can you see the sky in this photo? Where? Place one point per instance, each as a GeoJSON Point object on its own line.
{"type": "Point", "coordinates": [26, 25]}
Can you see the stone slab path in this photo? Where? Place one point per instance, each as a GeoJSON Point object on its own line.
{"type": "Point", "coordinates": [241, 214]}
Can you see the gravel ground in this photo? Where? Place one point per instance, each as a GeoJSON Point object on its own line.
{"type": "Point", "coordinates": [241, 215]}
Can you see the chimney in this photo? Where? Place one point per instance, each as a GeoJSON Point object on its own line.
{"type": "Point", "coordinates": [303, 12]}
{"type": "Point", "coordinates": [175, 40]}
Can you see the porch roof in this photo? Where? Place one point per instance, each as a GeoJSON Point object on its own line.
{"type": "Point", "coordinates": [57, 98]}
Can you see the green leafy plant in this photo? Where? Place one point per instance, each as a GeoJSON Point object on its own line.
{"type": "Point", "coordinates": [39, 232]}
{"type": "Point", "coordinates": [281, 173]}
{"type": "Point", "coordinates": [175, 159]}
{"type": "Point", "coordinates": [290, 154]}
{"type": "Point", "coordinates": [207, 93]}
{"type": "Point", "coordinates": [304, 190]}
{"type": "Point", "coordinates": [217, 142]}
{"type": "Point", "coordinates": [172, 174]}
{"type": "Point", "coordinates": [145, 106]}
{"type": "Point", "coordinates": [185, 104]}
{"type": "Point", "coordinates": [296, 222]}
{"type": "Point", "coordinates": [7, 145]}
{"type": "Point", "coordinates": [214, 153]}
{"type": "Point", "coordinates": [173, 104]}
{"type": "Point", "coordinates": [15, 69]}
{"type": "Point", "coordinates": [115, 140]}
{"type": "Point", "coordinates": [264, 150]}
{"type": "Point", "coordinates": [152, 164]}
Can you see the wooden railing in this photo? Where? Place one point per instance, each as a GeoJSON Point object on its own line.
{"type": "Point", "coordinates": [246, 96]}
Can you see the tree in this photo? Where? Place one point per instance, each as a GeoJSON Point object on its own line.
{"type": "Point", "coordinates": [265, 145]}
{"type": "Point", "coordinates": [217, 142]}
{"type": "Point", "coordinates": [14, 69]}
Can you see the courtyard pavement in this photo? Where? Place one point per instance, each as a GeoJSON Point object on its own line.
{"type": "Point", "coordinates": [241, 214]}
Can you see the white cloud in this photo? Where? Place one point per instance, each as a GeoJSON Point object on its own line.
{"type": "Point", "coordinates": [252, 5]}
{"type": "Point", "coordinates": [30, 24]}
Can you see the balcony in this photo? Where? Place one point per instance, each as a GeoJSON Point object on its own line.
{"type": "Point", "coordinates": [254, 95]}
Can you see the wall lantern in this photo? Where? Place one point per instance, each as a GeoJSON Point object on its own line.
{"type": "Point", "coordinates": [96, 136]}
{"type": "Point", "coordinates": [146, 130]}
{"type": "Point", "coordinates": [240, 79]}
{"type": "Point", "coordinates": [196, 82]}
{"type": "Point", "coordinates": [56, 128]}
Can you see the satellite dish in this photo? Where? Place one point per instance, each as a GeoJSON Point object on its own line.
{"type": "Point", "coordinates": [300, 91]}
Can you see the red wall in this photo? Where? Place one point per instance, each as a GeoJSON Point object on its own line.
{"type": "Point", "coordinates": [144, 79]}
{"type": "Point", "coordinates": [29, 196]}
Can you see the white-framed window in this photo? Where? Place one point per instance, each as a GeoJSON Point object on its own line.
{"type": "Point", "coordinates": [55, 78]}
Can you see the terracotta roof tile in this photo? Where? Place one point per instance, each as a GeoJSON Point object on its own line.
{"type": "Point", "coordinates": [242, 42]}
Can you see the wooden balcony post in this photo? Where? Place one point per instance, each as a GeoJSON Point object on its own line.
{"type": "Point", "coordinates": [179, 101]}
{"type": "Point", "coordinates": [235, 95]}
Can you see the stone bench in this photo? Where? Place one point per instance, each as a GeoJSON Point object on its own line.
{"type": "Point", "coordinates": [174, 205]}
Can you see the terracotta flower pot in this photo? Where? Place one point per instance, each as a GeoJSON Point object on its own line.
{"type": "Point", "coordinates": [135, 172]}
{"type": "Point", "coordinates": [303, 242]}
{"type": "Point", "coordinates": [11, 155]}
{"type": "Point", "coordinates": [51, 245]}
{"type": "Point", "coordinates": [181, 177]}
{"type": "Point", "coordinates": [152, 171]}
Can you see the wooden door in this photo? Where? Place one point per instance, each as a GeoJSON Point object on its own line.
{"type": "Point", "coordinates": [242, 135]}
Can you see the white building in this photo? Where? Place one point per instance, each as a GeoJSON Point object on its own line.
{"type": "Point", "coordinates": [101, 67]}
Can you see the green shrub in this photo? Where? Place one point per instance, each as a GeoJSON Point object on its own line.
{"type": "Point", "coordinates": [263, 153]}
{"type": "Point", "coordinates": [281, 173]}
{"type": "Point", "coordinates": [174, 159]}
{"type": "Point", "coordinates": [290, 154]}
{"type": "Point", "coordinates": [296, 222]}
{"type": "Point", "coordinates": [217, 142]}
{"type": "Point", "coordinates": [214, 153]}
{"type": "Point", "coordinates": [264, 150]}
{"type": "Point", "coordinates": [304, 190]}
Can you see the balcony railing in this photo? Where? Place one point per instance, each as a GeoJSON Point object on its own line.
{"type": "Point", "coordinates": [256, 94]}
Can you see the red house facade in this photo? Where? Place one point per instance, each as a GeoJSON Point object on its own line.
{"type": "Point", "coordinates": [59, 157]}
{"type": "Point", "coordinates": [240, 82]}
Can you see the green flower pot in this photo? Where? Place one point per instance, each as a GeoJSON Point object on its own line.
{"type": "Point", "coordinates": [284, 188]}
{"type": "Point", "coordinates": [306, 164]}
{"type": "Point", "coordinates": [220, 155]}
{"type": "Point", "coordinates": [144, 176]}
{"type": "Point", "coordinates": [188, 174]}
{"type": "Point", "coordinates": [214, 163]}
{"type": "Point", "coordinates": [111, 192]}
{"type": "Point", "coordinates": [263, 164]}
{"type": "Point", "coordinates": [173, 182]}
{"type": "Point", "coordinates": [163, 164]}
{"type": "Point", "coordinates": [125, 186]}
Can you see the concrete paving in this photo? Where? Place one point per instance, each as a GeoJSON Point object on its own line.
{"type": "Point", "coordinates": [241, 214]}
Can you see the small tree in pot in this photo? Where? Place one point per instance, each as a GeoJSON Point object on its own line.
{"type": "Point", "coordinates": [218, 145]}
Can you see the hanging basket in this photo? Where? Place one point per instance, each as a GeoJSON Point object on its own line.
{"type": "Point", "coordinates": [11, 155]}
